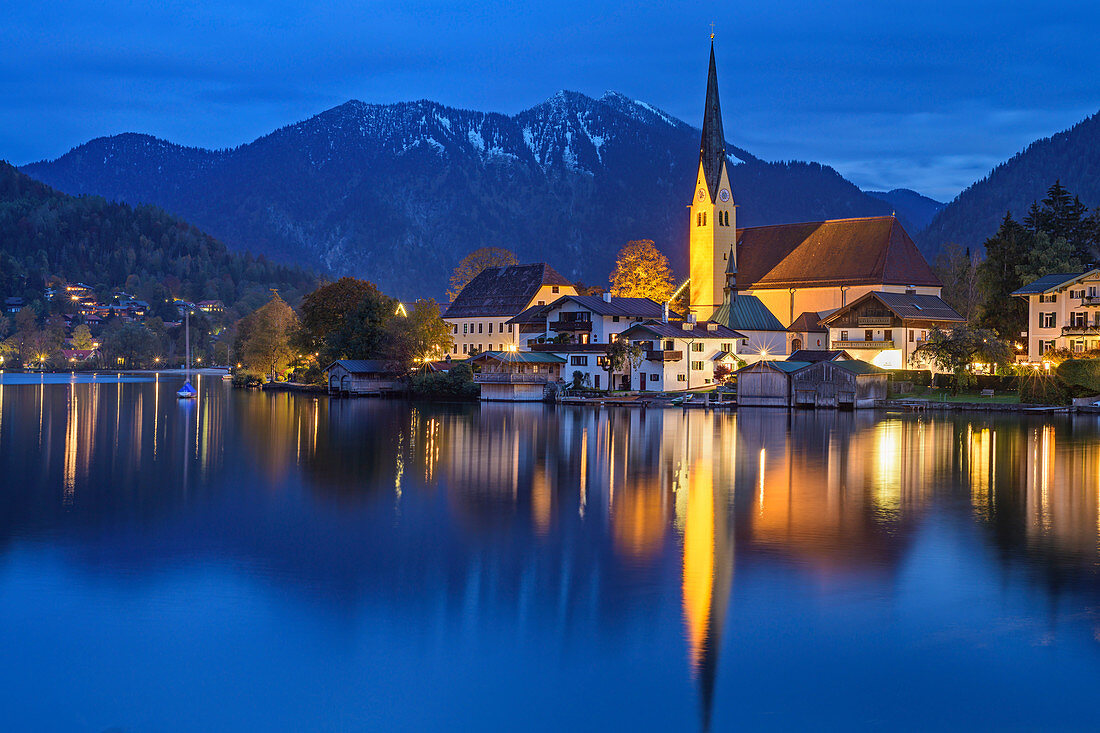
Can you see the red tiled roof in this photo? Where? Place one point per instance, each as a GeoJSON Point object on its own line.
{"type": "Point", "coordinates": [868, 251]}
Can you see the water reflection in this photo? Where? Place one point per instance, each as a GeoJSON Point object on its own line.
{"type": "Point", "coordinates": [577, 524]}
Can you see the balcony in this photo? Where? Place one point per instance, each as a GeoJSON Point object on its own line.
{"type": "Point", "coordinates": [664, 355]}
{"type": "Point", "coordinates": [865, 321]}
{"type": "Point", "coordinates": [879, 345]}
{"type": "Point", "coordinates": [571, 326]}
{"type": "Point", "coordinates": [1090, 300]}
{"type": "Point", "coordinates": [507, 378]}
{"type": "Point", "coordinates": [1081, 329]}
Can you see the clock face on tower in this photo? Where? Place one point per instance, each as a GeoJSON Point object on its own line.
{"type": "Point", "coordinates": [702, 194]}
{"type": "Point", "coordinates": [724, 195]}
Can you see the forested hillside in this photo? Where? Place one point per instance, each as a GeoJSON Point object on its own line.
{"type": "Point", "coordinates": [46, 235]}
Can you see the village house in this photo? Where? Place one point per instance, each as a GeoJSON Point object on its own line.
{"type": "Point", "coordinates": [680, 355]}
{"type": "Point", "coordinates": [479, 315]}
{"type": "Point", "coordinates": [360, 377]}
{"type": "Point", "coordinates": [1063, 312]}
{"type": "Point", "coordinates": [516, 376]}
{"type": "Point", "coordinates": [886, 328]}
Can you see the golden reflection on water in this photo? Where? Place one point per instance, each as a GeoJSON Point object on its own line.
{"type": "Point", "coordinates": [828, 492]}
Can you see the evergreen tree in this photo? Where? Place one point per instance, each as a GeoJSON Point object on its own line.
{"type": "Point", "coordinates": [998, 277]}
{"type": "Point", "coordinates": [1062, 216]}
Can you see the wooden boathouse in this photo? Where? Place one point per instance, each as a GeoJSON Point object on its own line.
{"type": "Point", "coordinates": [362, 377]}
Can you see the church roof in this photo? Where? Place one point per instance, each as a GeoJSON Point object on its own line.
{"type": "Point", "coordinates": [503, 291]}
{"type": "Point", "coordinates": [867, 251]}
{"type": "Point", "coordinates": [712, 147]}
{"type": "Point", "coordinates": [746, 313]}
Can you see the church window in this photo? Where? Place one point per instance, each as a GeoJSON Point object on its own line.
{"type": "Point", "coordinates": [699, 219]}
{"type": "Point", "coordinates": [704, 218]}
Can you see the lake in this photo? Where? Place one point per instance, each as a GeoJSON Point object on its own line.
{"type": "Point", "coordinates": [255, 561]}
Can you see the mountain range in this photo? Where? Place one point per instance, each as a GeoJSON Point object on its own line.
{"type": "Point", "coordinates": [400, 193]}
{"type": "Point", "coordinates": [1071, 156]}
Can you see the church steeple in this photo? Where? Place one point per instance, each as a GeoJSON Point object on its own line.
{"type": "Point", "coordinates": [713, 211]}
{"type": "Point", "coordinates": [712, 148]}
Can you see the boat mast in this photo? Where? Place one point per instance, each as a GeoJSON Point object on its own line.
{"type": "Point", "coordinates": [187, 341]}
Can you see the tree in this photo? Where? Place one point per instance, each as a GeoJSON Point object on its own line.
{"type": "Point", "coordinates": [998, 278]}
{"type": "Point", "coordinates": [27, 341]}
{"type": "Point", "coordinates": [420, 336]}
{"type": "Point", "coordinates": [82, 338]}
{"type": "Point", "coordinates": [957, 269]}
{"type": "Point", "coordinates": [346, 319]}
{"type": "Point", "coordinates": [956, 350]}
{"type": "Point", "coordinates": [1062, 216]}
{"type": "Point", "coordinates": [266, 337]}
{"type": "Point", "coordinates": [1046, 257]}
{"type": "Point", "coordinates": [641, 271]}
{"type": "Point", "coordinates": [132, 343]}
{"type": "Point", "coordinates": [474, 263]}
{"type": "Point", "coordinates": [619, 355]}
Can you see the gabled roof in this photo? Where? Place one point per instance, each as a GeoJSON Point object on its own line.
{"type": "Point", "coordinates": [624, 307]}
{"type": "Point", "coordinates": [907, 306]}
{"type": "Point", "coordinates": [519, 357]}
{"type": "Point", "coordinates": [676, 330]}
{"type": "Point", "coordinates": [712, 147]}
{"type": "Point", "coordinates": [813, 355]}
{"type": "Point", "coordinates": [867, 251]}
{"type": "Point", "coordinates": [361, 366]}
{"type": "Point", "coordinates": [1051, 282]}
{"type": "Point", "coordinates": [746, 313]}
{"type": "Point", "coordinates": [503, 291]}
{"type": "Point", "coordinates": [858, 366]}
{"type": "Point", "coordinates": [808, 322]}
{"type": "Point", "coordinates": [782, 366]}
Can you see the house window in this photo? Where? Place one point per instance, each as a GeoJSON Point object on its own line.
{"type": "Point", "coordinates": [480, 327]}
{"type": "Point", "coordinates": [509, 328]}
{"type": "Point", "coordinates": [681, 378]}
{"type": "Point", "coordinates": [655, 377]}
{"type": "Point", "coordinates": [490, 326]}
{"type": "Point", "coordinates": [502, 327]}
{"type": "Point", "coordinates": [555, 289]}
{"type": "Point", "coordinates": [456, 329]}
{"type": "Point", "coordinates": [697, 366]}
{"type": "Point", "coordinates": [727, 346]}
{"type": "Point", "coordinates": [1047, 297]}
{"type": "Point", "coordinates": [614, 319]}
{"type": "Point", "coordinates": [1046, 320]}
{"type": "Point", "coordinates": [912, 336]}
{"type": "Point", "coordinates": [888, 335]}
{"type": "Point", "coordinates": [465, 328]}
{"type": "Point", "coordinates": [464, 346]}
{"type": "Point", "coordinates": [868, 335]}
{"type": "Point", "coordinates": [697, 346]}
{"type": "Point", "coordinates": [454, 350]}
{"type": "Point", "coordinates": [843, 335]}
{"type": "Point", "coordinates": [578, 361]}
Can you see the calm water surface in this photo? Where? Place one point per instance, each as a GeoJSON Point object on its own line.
{"type": "Point", "coordinates": [277, 562]}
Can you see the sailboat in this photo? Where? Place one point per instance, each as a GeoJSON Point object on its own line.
{"type": "Point", "coordinates": [187, 392]}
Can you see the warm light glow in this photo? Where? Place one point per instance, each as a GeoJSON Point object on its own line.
{"type": "Point", "coordinates": [888, 359]}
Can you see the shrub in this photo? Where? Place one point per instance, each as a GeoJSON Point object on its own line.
{"type": "Point", "coordinates": [919, 377]}
{"type": "Point", "coordinates": [1042, 389]}
{"type": "Point", "coordinates": [1083, 374]}
{"type": "Point", "coordinates": [457, 384]}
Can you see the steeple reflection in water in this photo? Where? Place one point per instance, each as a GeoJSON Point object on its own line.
{"type": "Point", "coordinates": [360, 563]}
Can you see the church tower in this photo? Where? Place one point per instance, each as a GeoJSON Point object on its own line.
{"type": "Point", "coordinates": [713, 213]}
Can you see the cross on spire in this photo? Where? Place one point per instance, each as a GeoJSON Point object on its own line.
{"type": "Point", "coordinates": [712, 30]}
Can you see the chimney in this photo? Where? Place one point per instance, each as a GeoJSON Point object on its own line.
{"type": "Point", "coordinates": [607, 297]}
{"type": "Point", "coordinates": [910, 289]}
{"type": "Point", "coordinates": [664, 313]}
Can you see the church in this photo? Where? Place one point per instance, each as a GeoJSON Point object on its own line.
{"type": "Point", "coordinates": [775, 284]}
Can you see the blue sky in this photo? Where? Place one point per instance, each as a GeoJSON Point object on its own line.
{"type": "Point", "coordinates": [927, 95]}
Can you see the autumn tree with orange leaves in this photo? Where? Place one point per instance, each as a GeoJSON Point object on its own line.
{"type": "Point", "coordinates": [641, 271]}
